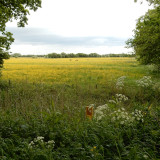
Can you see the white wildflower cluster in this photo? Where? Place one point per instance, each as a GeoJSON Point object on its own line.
{"type": "Point", "coordinates": [39, 142]}
{"type": "Point", "coordinates": [137, 115]}
{"type": "Point", "coordinates": [100, 111]}
{"type": "Point", "coordinates": [50, 144]}
{"type": "Point", "coordinates": [120, 98]}
{"type": "Point", "coordinates": [39, 139]}
{"type": "Point", "coordinates": [120, 82]}
{"type": "Point", "coordinates": [112, 101]}
{"type": "Point", "coordinates": [122, 117]}
{"type": "Point", "coordinates": [144, 82]}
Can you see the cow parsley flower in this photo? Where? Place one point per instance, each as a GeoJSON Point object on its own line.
{"type": "Point", "coordinates": [122, 117]}
{"type": "Point", "coordinates": [120, 82]}
{"type": "Point", "coordinates": [50, 144]}
{"type": "Point", "coordinates": [112, 101]}
{"type": "Point", "coordinates": [145, 81]}
{"type": "Point", "coordinates": [137, 114]}
{"type": "Point", "coordinates": [120, 98]}
{"type": "Point", "coordinates": [39, 142]}
{"type": "Point", "coordinates": [100, 111]}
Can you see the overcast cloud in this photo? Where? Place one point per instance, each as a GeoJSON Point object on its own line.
{"type": "Point", "coordinates": [39, 36]}
{"type": "Point", "coordinates": [100, 26]}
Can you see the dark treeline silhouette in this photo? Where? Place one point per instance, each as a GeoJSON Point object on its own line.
{"type": "Point", "coordinates": [73, 55]}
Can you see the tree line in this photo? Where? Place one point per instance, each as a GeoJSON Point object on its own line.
{"type": "Point", "coordinates": [73, 55]}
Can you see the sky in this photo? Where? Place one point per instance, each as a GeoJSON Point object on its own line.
{"type": "Point", "coordinates": [78, 26]}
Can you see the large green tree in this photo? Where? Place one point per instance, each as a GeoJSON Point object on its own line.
{"type": "Point", "coordinates": [13, 10]}
{"type": "Point", "coordinates": [146, 39]}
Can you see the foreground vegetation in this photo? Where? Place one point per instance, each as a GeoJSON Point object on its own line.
{"type": "Point", "coordinates": [43, 115]}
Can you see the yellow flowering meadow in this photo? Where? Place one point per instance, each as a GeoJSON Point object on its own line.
{"type": "Point", "coordinates": [70, 70]}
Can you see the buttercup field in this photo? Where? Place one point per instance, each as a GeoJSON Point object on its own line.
{"type": "Point", "coordinates": [82, 71]}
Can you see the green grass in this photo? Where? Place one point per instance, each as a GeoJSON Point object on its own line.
{"type": "Point", "coordinates": [56, 111]}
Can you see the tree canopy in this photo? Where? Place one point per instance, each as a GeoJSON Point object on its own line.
{"type": "Point", "coordinates": [13, 10]}
{"type": "Point", "coordinates": [145, 41]}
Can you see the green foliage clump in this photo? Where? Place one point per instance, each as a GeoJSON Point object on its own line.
{"type": "Point", "coordinates": [10, 10]}
{"type": "Point", "coordinates": [146, 38]}
{"type": "Point", "coordinates": [3, 55]}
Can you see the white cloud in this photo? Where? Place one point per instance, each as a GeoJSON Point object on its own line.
{"type": "Point", "coordinates": [87, 18]}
